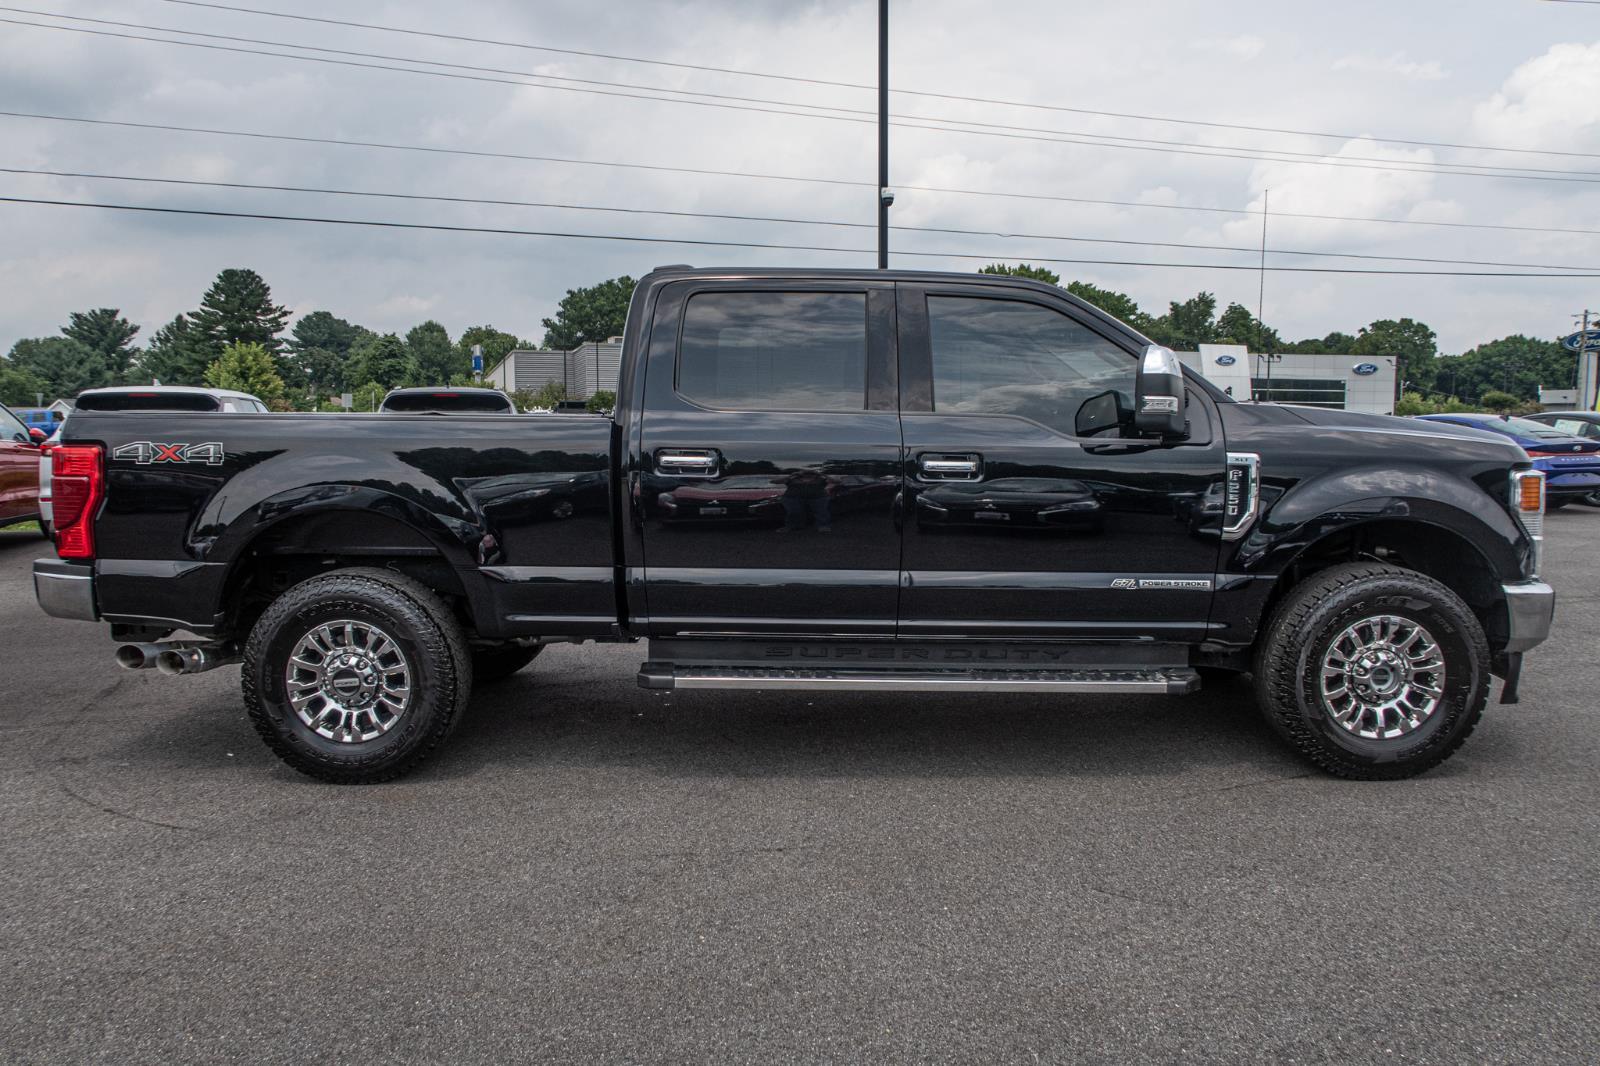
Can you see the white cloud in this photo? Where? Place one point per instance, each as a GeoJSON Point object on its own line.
{"type": "Point", "coordinates": [1396, 63]}
{"type": "Point", "coordinates": [1243, 46]}
{"type": "Point", "coordinates": [1551, 101]}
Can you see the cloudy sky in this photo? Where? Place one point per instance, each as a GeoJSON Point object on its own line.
{"type": "Point", "coordinates": [1520, 74]}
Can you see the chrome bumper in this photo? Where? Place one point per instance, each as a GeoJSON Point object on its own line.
{"type": "Point", "coordinates": [1530, 605]}
{"type": "Point", "coordinates": [65, 590]}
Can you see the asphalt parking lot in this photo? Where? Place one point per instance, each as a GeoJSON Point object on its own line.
{"type": "Point", "coordinates": [595, 872]}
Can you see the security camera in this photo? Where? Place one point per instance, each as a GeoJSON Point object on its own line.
{"type": "Point", "coordinates": [886, 196]}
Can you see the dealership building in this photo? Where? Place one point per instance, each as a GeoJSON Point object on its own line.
{"type": "Point", "coordinates": [1348, 382]}
{"type": "Point", "coordinates": [585, 370]}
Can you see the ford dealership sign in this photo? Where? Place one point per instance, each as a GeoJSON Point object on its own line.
{"type": "Point", "coordinates": [1226, 360]}
{"type": "Point", "coordinates": [1364, 369]}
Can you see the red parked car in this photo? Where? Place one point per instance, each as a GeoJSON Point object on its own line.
{"type": "Point", "coordinates": [19, 468]}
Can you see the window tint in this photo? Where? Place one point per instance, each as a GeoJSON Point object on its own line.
{"type": "Point", "coordinates": [446, 402]}
{"type": "Point", "coordinates": [775, 351]}
{"type": "Point", "coordinates": [1312, 392]}
{"type": "Point", "coordinates": [148, 401]}
{"type": "Point", "coordinates": [11, 427]}
{"type": "Point", "coordinates": [1010, 358]}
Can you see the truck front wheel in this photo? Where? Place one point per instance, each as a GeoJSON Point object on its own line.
{"type": "Point", "coordinates": [1372, 671]}
{"type": "Point", "coordinates": [355, 676]}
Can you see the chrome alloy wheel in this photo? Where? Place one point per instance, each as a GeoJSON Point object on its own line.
{"type": "Point", "coordinates": [348, 681]}
{"type": "Point", "coordinates": [1383, 677]}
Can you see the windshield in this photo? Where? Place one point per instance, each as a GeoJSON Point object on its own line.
{"type": "Point", "coordinates": [446, 402]}
{"type": "Point", "coordinates": [1527, 427]}
{"type": "Point", "coordinates": [147, 401]}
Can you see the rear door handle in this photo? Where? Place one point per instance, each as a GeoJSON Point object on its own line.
{"type": "Point", "coordinates": [941, 466]}
{"type": "Point", "coordinates": [688, 462]}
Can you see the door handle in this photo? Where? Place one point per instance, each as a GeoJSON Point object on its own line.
{"type": "Point", "coordinates": [946, 467]}
{"type": "Point", "coordinates": [688, 462]}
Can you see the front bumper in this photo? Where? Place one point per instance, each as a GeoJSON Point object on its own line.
{"type": "Point", "coordinates": [1530, 606]}
{"type": "Point", "coordinates": [65, 590]}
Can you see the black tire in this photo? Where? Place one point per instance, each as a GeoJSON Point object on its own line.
{"type": "Point", "coordinates": [45, 530]}
{"type": "Point", "coordinates": [434, 652]}
{"type": "Point", "coordinates": [1311, 618]}
{"type": "Point", "coordinates": [1591, 500]}
{"type": "Point", "coordinates": [495, 662]}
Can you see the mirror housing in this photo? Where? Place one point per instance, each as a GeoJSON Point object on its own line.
{"type": "Point", "coordinates": [37, 435]}
{"type": "Point", "coordinates": [1160, 398]}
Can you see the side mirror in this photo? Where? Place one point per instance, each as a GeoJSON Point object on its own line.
{"type": "Point", "coordinates": [37, 435]}
{"type": "Point", "coordinates": [1100, 413]}
{"type": "Point", "coordinates": [1160, 399]}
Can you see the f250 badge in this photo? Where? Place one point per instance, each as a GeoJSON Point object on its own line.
{"type": "Point", "coordinates": [146, 452]}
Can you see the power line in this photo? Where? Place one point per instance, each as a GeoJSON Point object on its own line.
{"type": "Point", "coordinates": [629, 238]}
{"type": "Point", "coordinates": [780, 107]}
{"type": "Point", "coordinates": [946, 230]}
{"type": "Point", "coordinates": [754, 175]}
{"type": "Point", "coordinates": [615, 57]}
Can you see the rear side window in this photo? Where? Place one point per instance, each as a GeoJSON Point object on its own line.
{"type": "Point", "coordinates": [775, 351]}
{"type": "Point", "coordinates": [447, 402]}
{"type": "Point", "coordinates": [148, 401]}
{"type": "Point", "coordinates": [1006, 357]}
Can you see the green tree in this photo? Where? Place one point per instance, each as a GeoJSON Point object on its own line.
{"type": "Point", "coordinates": [247, 368]}
{"type": "Point", "coordinates": [1024, 270]}
{"type": "Point", "coordinates": [178, 355]}
{"type": "Point", "coordinates": [1237, 325]}
{"type": "Point", "coordinates": [496, 345]}
{"type": "Point", "coordinates": [66, 367]}
{"type": "Point", "coordinates": [319, 347]}
{"type": "Point", "coordinates": [1411, 343]}
{"type": "Point", "coordinates": [1499, 402]}
{"type": "Point", "coordinates": [1187, 325]}
{"type": "Point", "coordinates": [238, 309]}
{"type": "Point", "coordinates": [603, 400]}
{"type": "Point", "coordinates": [1335, 343]}
{"type": "Point", "coordinates": [434, 360]}
{"type": "Point", "coordinates": [1118, 305]}
{"type": "Point", "coordinates": [589, 314]}
{"type": "Point", "coordinates": [21, 388]}
{"type": "Point", "coordinates": [104, 330]}
{"type": "Point", "coordinates": [382, 361]}
{"type": "Point", "coordinates": [1518, 365]}
{"type": "Point", "coordinates": [367, 397]}
{"type": "Point", "coordinates": [547, 395]}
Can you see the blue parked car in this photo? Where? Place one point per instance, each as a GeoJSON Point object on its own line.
{"type": "Point", "coordinates": [1571, 464]}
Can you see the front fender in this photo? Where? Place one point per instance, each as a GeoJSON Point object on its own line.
{"type": "Point", "coordinates": [1296, 517]}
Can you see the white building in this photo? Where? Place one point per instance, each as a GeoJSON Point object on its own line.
{"type": "Point", "coordinates": [585, 370]}
{"type": "Point", "coordinates": [1348, 382]}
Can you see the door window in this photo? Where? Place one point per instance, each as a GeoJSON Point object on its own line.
{"type": "Point", "coordinates": [11, 428]}
{"type": "Point", "coordinates": [775, 351]}
{"type": "Point", "coordinates": [1005, 357]}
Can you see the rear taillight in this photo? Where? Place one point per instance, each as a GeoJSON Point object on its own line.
{"type": "Point", "coordinates": [1527, 500]}
{"type": "Point", "coordinates": [77, 484]}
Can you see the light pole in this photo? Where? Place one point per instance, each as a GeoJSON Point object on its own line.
{"type": "Point", "coordinates": [885, 197]}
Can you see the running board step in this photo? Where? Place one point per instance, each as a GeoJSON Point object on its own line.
{"type": "Point", "coordinates": [1166, 681]}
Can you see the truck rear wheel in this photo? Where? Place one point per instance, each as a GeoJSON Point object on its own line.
{"type": "Point", "coordinates": [356, 676]}
{"type": "Point", "coordinates": [1371, 671]}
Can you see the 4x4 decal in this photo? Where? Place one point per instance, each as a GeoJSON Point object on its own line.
{"type": "Point", "coordinates": [146, 452]}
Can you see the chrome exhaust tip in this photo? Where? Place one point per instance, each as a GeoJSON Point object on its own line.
{"type": "Point", "coordinates": [193, 660]}
{"type": "Point", "coordinates": [139, 656]}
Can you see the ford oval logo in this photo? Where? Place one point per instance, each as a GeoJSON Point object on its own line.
{"type": "Point", "coordinates": [1226, 360]}
{"type": "Point", "coordinates": [1365, 369]}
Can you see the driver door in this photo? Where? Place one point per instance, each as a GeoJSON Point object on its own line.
{"type": "Point", "coordinates": [1027, 513]}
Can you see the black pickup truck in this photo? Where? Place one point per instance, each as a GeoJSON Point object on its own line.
{"type": "Point", "coordinates": [886, 481]}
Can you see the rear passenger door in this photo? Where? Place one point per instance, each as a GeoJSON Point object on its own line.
{"type": "Point", "coordinates": [769, 459]}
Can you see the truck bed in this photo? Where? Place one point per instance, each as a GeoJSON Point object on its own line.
{"type": "Point", "coordinates": [517, 509]}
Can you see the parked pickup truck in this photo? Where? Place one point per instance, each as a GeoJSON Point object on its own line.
{"type": "Point", "coordinates": [828, 480]}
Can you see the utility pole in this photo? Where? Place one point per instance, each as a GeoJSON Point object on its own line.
{"type": "Point", "coordinates": [1261, 291]}
{"type": "Point", "coordinates": [885, 197]}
